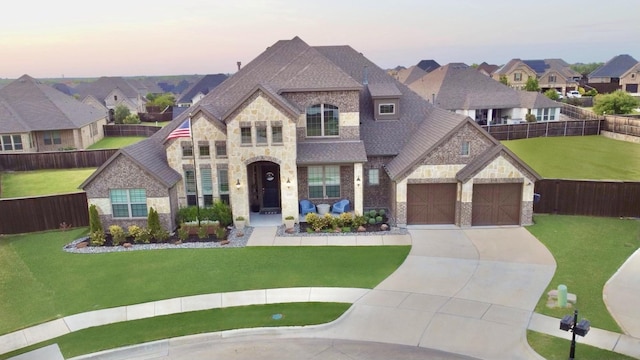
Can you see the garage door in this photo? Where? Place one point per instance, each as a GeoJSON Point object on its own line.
{"type": "Point", "coordinates": [496, 204]}
{"type": "Point", "coordinates": [431, 204]}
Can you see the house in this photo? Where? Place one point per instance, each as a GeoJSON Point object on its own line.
{"type": "Point", "coordinates": [428, 65]}
{"type": "Point", "coordinates": [110, 92]}
{"type": "Point", "coordinates": [464, 90]}
{"type": "Point", "coordinates": [621, 72]}
{"type": "Point", "coordinates": [35, 117]}
{"type": "Point", "coordinates": [321, 123]}
{"type": "Point", "coordinates": [199, 89]}
{"type": "Point", "coordinates": [487, 69]}
{"type": "Point", "coordinates": [550, 73]}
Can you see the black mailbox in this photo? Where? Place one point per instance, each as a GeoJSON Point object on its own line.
{"type": "Point", "coordinates": [582, 328]}
{"type": "Point", "coordinates": [566, 323]}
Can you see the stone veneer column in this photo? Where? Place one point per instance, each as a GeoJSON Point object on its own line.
{"type": "Point", "coordinates": [358, 199]}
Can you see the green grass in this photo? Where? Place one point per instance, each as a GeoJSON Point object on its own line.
{"type": "Point", "coordinates": [588, 251]}
{"type": "Point", "coordinates": [160, 124]}
{"type": "Point", "coordinates": [43, 182]}
{"type": "Point", "coordinates": [116, 142]}
{"type": "Point", "coordinates": [162, 327]}
{"type": "Point", "coordinates": [39, 282]}
{"type": "Point", "coordinates": [554, 348]}
{"type": "Point", "coordinates": [580, 157]}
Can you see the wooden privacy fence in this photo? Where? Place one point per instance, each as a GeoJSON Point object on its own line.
{"type": "Point", "coordinates": [592, 198]}
{"type": "Point", "coordinates": [622, 125]}
{"type": "Point", "coordinates": [129, 130]}
{"type": "Point", "coordinates": [24, 215]}
{"type": "Point", "coordinates": [55, 160]}
{"type": "Point", "coordinates": [547, 128]}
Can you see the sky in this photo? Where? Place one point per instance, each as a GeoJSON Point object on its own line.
{"type": "Point", "coordinates": [72, 38]}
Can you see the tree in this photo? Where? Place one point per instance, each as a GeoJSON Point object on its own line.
{"type": "Point", "coordinates": [552, 94]}
{"type": "Point", "coordinates": [94, 219]}
{"type": "Point", "coordinates": [532, 84]}
{"type": "Point", "coordinates": [161, 101]}
{"type": "Point", "coordinates": [618, 102]}
{"type": "Point", "coordinates": [504, 80]}
{"type": "Point", "coordinates": [585, 69]}
{"type": "Point", "coordinates": [132, 119]}
{"type": "Point", "coordinates": [121, 113]}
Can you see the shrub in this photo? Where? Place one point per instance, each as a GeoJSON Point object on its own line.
{"type": "Point", "coordinates": [221, 233]}
{"type": "Point", "coordinates": [94, 219]}
{"type": "Point", "coordinates": [290, 217]}
{"type": "Point", "coordinates": [131, 119]}
{"type": "Point", "coordinates": [117, 234]}
{"type": "Point", "coordinates": [372, 221]}
{"type": "Point", "coordinates": [97, 238]}
{"type": "Point", "coordinates": [530, 118]}
{"type": "Point", "coordinates": [183, 233]}
{"type": "Point", "coordinates": [359, 220]}
{"type": "Point", "coordinates": [153, 222]}
{"type": "Point", "coordinates": [140, 235]}
{"type": "Point", "coordinates": [202, 232]}
{"type": "Point", "coordinates": [381, 212]}
{"type": "Point", "coordinates": [221, 212]}
{"type": "Point", "coordinates": [330, 221]}
{"type": "Point", "coordinates": [378, 219]}
{"type": "Point", "coordinates": [373, 213]}
{"type": "Point", "coordinates": [346, 219]}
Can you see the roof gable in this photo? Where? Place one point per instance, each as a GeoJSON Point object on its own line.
{"type": "Point", "coordinates": [615, 67]}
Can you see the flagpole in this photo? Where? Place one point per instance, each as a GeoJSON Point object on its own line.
{"type": "Point", "coordinates": [195, 174]}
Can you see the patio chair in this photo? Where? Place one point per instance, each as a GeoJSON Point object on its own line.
{"type": "Point", "coordinates": [340, 207]}
{"type": "Point", "coordinates": [306, 207]}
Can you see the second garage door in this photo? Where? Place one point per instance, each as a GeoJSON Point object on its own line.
{"type": "Point", "coordinates": [431, 203]}
{"type": "Point", "coordinates": [496, 204]}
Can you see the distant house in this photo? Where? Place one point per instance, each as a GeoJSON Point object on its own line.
{"type": "Point", "coordinates": [324, 124]}
{"type": "Point", "coordinates": [428, 65]}
{"type": "Point", "coordinates": [36, 117]}
{"type": "Point", "coordinates": [487, 69]}
{"type": "Point", "coordinates": [199, 89]}
{"type": "Point", "coordinates": [621, 72]}
{"type": "Point", "coordinates": [462, 89]}
{"type": "Point", "coordinates": [550, 73]}
{"type": "Point", "coordinates": [110, 92]}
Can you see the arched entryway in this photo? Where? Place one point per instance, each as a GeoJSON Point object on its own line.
{"type": "Point", "coordinates": [264, 187]}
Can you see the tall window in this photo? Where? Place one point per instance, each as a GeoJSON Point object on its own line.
{"type": "Point", "coordinates": [10, 142]}
{"type": "Point", "coordinates": [207, 186]}
{"type": "Point", "coordinates": [221, 149]}
{"type": "Point", "coordinates": [245, 135]}
{"type": "Point", "coordinates": [324, 182]}
{"type": "Point", "coordinates": [52, 138]}
{"type": "Point", "coordinates": [276, 134]}
{"type": "Point", "coordinates": [517, 77]}
{"type": "Point", "coordinates": [552, 78]}
{"type": "Point", "coordinates": [223, 185]}
{"type": "Point", "coordinates": [261, 134]}
{"type": "Point", "coordinates": [323, 120]}
{"type": "Point", "coordinates": [465, 148]}
{"type": "Point", "coordinates": [546, 114]}
{"type": "Point", "coordinates": [374, 177]}
{"type": "Point", "coordinates": [128, 203]}
{"type": "Point", "coordinates": [190, 187]}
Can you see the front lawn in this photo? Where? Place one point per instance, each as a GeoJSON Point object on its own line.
{"type": "Point", "coordinates": [555, 348]}
{"type": "Point", "coordinates": [588, 251]}
{"type": "Point", "coordinates": [43, 182]}
{"type": "Point", "coordinates": [580, 157]}
{"type": "Point", "coordinates": [116, 142]}
{"type": "Point", "coordinates": [40, 282]}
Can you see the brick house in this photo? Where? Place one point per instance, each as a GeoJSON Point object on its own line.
{"type": "Point", "coordinates": [551, 74]}
{"type": "Point", "coordinates": [320, 123]}
{"type": "Point", "coordinates": [35, 117]}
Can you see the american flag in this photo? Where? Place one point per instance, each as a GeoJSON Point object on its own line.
{"type": "Point", "coordinates": [184, 130]}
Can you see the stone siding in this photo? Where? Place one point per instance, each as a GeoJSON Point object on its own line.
{"type": "Point", "coordinates": [124, 174]}
{"type": "Point", "coordinates": [449, 151]}
{"type": "Point", "coordinates": [346, 101]}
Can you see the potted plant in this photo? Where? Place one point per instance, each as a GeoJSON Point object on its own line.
{"type": "Point", "coordinates": [240, 222]}
{"type": "Point", "coordinates": [289, 222]}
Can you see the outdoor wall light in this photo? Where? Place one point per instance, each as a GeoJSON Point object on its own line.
{"type": "Point", "coordinates": [237, 183]}
{"type": "Point", "coordinates": [288, 182]}
{"type": "Point", "coordinates": [358, 181]}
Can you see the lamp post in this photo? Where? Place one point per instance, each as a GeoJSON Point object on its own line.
{"type": "Point", "coordinates": [570, 323]}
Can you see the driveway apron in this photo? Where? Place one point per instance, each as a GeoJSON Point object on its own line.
{"type": "Point", "coordinates": [469, 292]}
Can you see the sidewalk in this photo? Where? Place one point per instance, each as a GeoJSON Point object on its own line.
{"type": "Point", "coordinates": [470, 292]}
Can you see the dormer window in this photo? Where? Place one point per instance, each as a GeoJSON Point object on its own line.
{"type": "Point", "coordinates": [387, 109]}
{"type": "Point", "coordinates": [323, 120]}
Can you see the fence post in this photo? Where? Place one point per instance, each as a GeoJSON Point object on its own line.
{"type": "Point", "coordinates": [565, 128]}
{"type": "Point", "coordinates": [546, 131]}
{"type": "Point", "coordinates": [583, 125]}
{"type": "Point", "coordinates": [528, 126]}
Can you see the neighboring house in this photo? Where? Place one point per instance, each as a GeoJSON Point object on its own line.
{"type": "Point", "coordinates": [199, 89]}
{"type": "Point", "coordinates": [410, 74]}
{"type": "Point", "coordinates": [428, 65]}
{"type": "Point", "coordinates": [622, 72]}
{"type": "Point", "coordinates": [110, 92]}
{"type": "Point", "coordinates": [321, 123]}
{"type": "Point", "coordinates": [550, 73]}
{"type": "Point", "coordinates": [462, 89]}
{"type": "Point", "coordinates": [36, 117]}
{"type": "Point", "coordinates": [487, 69]}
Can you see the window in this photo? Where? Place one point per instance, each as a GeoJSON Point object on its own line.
{"type": "Point", "coordinates": [323, 120]}
{"type": "Point", "coordinates": [52, 138]}
{"type": "Point", "coordinates": [203, 150]}
{"type": "Point", "coordinates": [324, 182]}
{"type": "Point", "coordinates": [190, 187]}
{"type": "Point", "coordinates": [465, 148]}
{"type": "Point", "coordinates": [387, 109]}
{"type": "Point", "coordinates": [221, 149]}
{"type": "Point", "coordinates": [374, 177]}
{"type": "Point", "coordinates": [545, 114]}
{"type": "Point", "coordinates": [517, 77]}
{"type": "Point", "coordinates": [11, 142]}
{"type": "Point", "coordinates": [223, 185]}
{"type": "Point", "coordinates": [261, 134]}
{"type": "Point", "coordinates": [115, 97]}
{"type": "Point", "coordinates": [94, 129]}
{"type": "Point", "coordinates": [245, 135]}
{"type": "Point", "coordinates": [187, 149]}
{"type": "Point", "coordinates": [552, 78]}
{"type": "Point", "coordinates": [276, 134]}
{"type": "Point", "coordinates": [207, 186]}
{"type": "Point", "coordinates": [128, 203]}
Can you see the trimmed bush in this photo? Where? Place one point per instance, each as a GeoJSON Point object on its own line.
{"type": "Point", "coordinates": [94, 219]}
{"type": "Point", "coordinates": [117, 235]}
{"type": "Point", "coordinates": [97, 238]}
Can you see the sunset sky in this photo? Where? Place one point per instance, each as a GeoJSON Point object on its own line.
{"type": "Point", "coordinates": [74, 38]}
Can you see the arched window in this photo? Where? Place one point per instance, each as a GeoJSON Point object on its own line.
{"type": "Point", "coordinates": [323, 120]}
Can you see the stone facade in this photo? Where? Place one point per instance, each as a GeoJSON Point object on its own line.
{"type": "Point", "coordinates": [450, 151]}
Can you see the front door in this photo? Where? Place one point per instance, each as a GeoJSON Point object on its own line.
{"type": "Point", "coordinates": [270, 186]}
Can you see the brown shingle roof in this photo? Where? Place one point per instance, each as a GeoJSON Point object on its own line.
{"type": "Point", "coordinates": [327, 152]}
